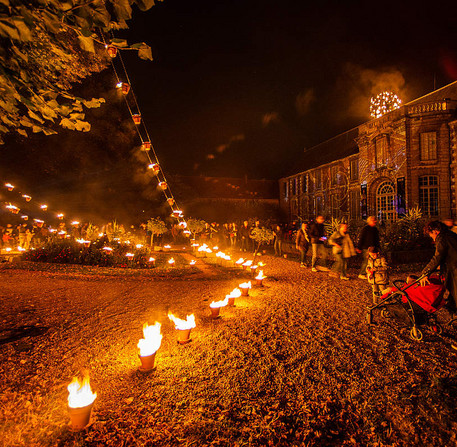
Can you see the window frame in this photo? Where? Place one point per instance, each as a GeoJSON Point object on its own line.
{"type": "Point", "coordinates": [429, 189]}
{"type": "Point", "coordinates": [428, 159]}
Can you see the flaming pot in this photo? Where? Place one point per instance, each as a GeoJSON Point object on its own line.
{"type": "Point", "coordinates": [259, 282]}
{"type": "Point", "coordinates": [80, 417]}
{"type": "Point", "coordinates": [215, 312]}
{"type": "Point", "coordinates": [231, 301]}
{"type": "Point", "coordinates": [183, 336]}
{"type": "Point", "coordinates": [244, 291]}
{"type": "Point", "coordinates": [147, 362]}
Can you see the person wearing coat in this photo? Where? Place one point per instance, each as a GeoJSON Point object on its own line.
{"type": "Point", "coordinates": [343, 249]}
{"type": "Point", "coordinates": [318, 238]}
{"type": "Point", "coordinates": [369, 237]}
{"type": "Point", "coordinates": [445, 257]}
{"type": "Point", "coordinates": [302, 243]}
{"type": "Point", "coordinates": [376, 272]}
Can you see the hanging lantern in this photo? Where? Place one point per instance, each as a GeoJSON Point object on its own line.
{"type": "Point", "coordinates": [146, 146]}
{"type": "Point", "coordinates": [171, 201]}
{"type": "Point", "coordinates": [25, 217]}
{"type": "Point", "coordinates": [125, 88]}
{"type": "Point", "coordinates": [9, 186]}
{"type": "Point", "coordinates": [155, 168]}
{"type": "Point", "coordinates": [177, 213]}
{"type": "Point", "coordinates": [112, 51]}
{"type": "Point", "coordinates": [26, 197]}
{"type": "Point", "coordinates": [163, 185]}
{"type": "Point", "coordinates": [60, 216]}
{"type": "Point", "coordinates": [44, 207]}
{"type": "Point", "coordinates": [182, 225]}
{"type": "Point", "coordinates": [136, 118]}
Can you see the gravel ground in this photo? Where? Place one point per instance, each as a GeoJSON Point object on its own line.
{"type": "Point", "coordinates": [293, 364]}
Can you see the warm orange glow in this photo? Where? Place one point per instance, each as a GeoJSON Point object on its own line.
{"type": "Point", "coordinates": [240, 261]}
{"type": "Point", "coordinates": [193, 262]}
{"type": "Point", "coordinates": [260, 276]}
{"type": "Point", "coordinates": [27, 197]}
{"type": "Point", "coordinates": [9, 186]}
{"type": "Point", "coordinates": [129, 255]}
{"type": "Point", "coordinates": [247, 263]}
{"type": "Point", "coordinates": [60, 215]}
{"type": "Point", "coordinates": [245, 285]}
{"type": "Point", "coordinates": [383, 103]}
{"type": "Point", "coordinates": [79, 394]}
{"type": "Point", "coordinates": [216, 304]}
{"type": "Point", "coordinates": [75, 222]}
{"type": "Point", "coordinates": [167, 247]}
{"type": "Point", "coordinates": [139, 246]}
{"type": "Point", "coordinates": [152, 259]}
{"type": "Point", "coordinates": [108, 249]}
{"type": "Point", "coordinates": [235, 293]}
{"type": "Point", "coordinates": [44, 207]}
{"type": "Point", "coordinates": [171, 261]}
{"type": "Point", "coordinates": [151, 341]}
{"type": "Point", "coordinates": [188, 323]}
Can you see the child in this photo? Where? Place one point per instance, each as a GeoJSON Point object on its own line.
{"type": "Point", "coordinates": [377, 273]}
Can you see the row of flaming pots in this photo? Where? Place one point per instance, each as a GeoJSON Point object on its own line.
{"type": "Point", "coordinates": [80, 395]}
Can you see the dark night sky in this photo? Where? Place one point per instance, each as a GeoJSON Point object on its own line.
{"type": "Point", "coordinates": [260, 80]}
{"type": "Point", "coordinates": [241, 87]}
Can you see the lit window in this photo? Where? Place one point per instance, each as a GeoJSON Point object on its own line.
{"type": "Point", "coordinates": [381, 152]}
{"type": "Point", "coordinates": [354, 169]}
{"type": "Point", "coordinates": [428, 146]}
{"type": "Point", "coordinates": [428, 195]}
{"type": "Point", "coordinates": [385, 201]}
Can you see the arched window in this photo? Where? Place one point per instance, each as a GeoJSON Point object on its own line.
{"type": "Point", "coordinates": [428, 195]}
{"type": "Point", "coordinates": [385, 201]}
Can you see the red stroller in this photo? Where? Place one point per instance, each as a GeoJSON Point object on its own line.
{"type": "Point", "coordinates": [418, 303]}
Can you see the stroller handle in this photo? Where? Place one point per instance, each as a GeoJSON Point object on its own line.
{"type": "Point", "coordinates": [411, 284]}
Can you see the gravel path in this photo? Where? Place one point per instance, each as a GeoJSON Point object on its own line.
{"type": "Point", "coordinates": [293, 364]}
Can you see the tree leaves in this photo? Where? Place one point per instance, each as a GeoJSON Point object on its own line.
{"type": "Point", "coordinates": [122, 9]}
{"type": "Point", "coordinates": [144, 5]}
{"type": "Point", "coordinates": [87, 44]}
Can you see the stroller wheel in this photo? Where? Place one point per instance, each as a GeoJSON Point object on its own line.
{"type": "Point", "coordinates": [385, 313]}
{"type": "Point", "coordinates": [416, 334]}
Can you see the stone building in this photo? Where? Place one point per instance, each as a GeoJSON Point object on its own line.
{"type": "Point", "coordinates": [405, 158]}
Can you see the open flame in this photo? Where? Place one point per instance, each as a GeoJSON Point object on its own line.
{"type": "Point", "coordinates": [235, 293]}
{"type": "Point", "coordinates": [220, 254]}
{"type": "Point", "coordinates": [193, 262]}
{"type": "Point", "coordinates": [60, 215]}
{"type": "Point", "coordinates": [248, 263]}
{"type": "Point", "coordinates": [75, 222]}
{"type": "Point", "coordinates": [108, 249]}
{"type": "Point", "coordinates": [167, 247]}
{"type": "Point", "coordinates": [260, 276]}
{"type": "Point", "coordinates": [216, 304]}
{"type": "Point", "coordinates": [139, 246]}
{"type": "Point", "coordinates": [240, 261]}
{"type": "Point", "coordinates": [27, 197]}
{"type": "Point", "coordinates": [44, 207]}
{"type": "Point", "coordinates": [129, 255]}
{"type": "Point", "coordinates": [188, 323]}
{"type": "Point", "coordinates": [245, 285]}
{"type": "Point", "coordinates": [171, 261]}
{"type": "Point", "coordinates": [151, 259]}
{"type": "Point", "coordinates": [151, 341]}
{"type": "Point", "coordinates": [9, 186]}
{"type": "Point", "coordinates": [79, 394]}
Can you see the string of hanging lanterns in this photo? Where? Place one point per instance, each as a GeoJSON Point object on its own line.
{"type": "Point", "coordinates": [125, 86]}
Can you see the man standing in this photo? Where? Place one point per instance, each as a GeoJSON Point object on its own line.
{"type": "Point", "coordinates": [278, 240]}
{"type": "Point", "coordinates": [302, 242]}
{"type": "Point", "coordinates": [369, 237]}
{"type": "Point", "coordinates": [318, 238]}
{"type": "Point", "coordinates": [243, 235]}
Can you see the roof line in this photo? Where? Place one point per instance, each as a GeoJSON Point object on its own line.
{"type": "Point", "coordinates": [330, 139]}
{"type": "Point", "coordinates": [430, 93]}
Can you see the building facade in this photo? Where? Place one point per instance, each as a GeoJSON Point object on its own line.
{"type": "Point", "coordinates": [406, 158]}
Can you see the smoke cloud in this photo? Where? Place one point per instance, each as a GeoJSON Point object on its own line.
{"type": "Point", "coordinates": [360, 84]}
{"type": "Point", "coordinates": [268, 118]}
{"type": "Point", "coordinates": [304, 100]}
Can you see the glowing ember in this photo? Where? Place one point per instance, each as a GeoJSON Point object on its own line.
{"type": "Point", "coordinates": [188, 323]}
{"type": "Point", "coordinates": [119, 85]}
{"type": "Point", "coordinates": [9, 186]}
{"type": "Point", "coordinates": [163, 185]}
{"type": "Point", "coordinates": [129, 255]}
{"type": "Point", "coordinates": [260, 276]}
{"type": "Point", "coordinates": [79, 394]}
{"type": "Point", "coordinates": [27, 197]}
{"type": "Point", "coordinates": [151, 341]}
{"type": "Point", "coordinates": [240, 261]}
{"type": "Point", "coordinates": [171, 261]}
{"type": "Point", "coordinates": [216, 304]}
{"type": "Point", "coordinates": [193, 262]}
{"type": "Point", "coordinates": [44, 207]}
{"type": "Point", "coordinates": [383, 103]}
{"type": "Point", "coordinates": [245, 285]}
{"type": "Point", "coordinates": [139, 246]}
{"type": "Point", "coordinates": [108, 249]}
{"type": "Point", "coordinates": [155, 167]}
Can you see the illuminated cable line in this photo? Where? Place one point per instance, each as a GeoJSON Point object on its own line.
{"type": "Point", "coordinates": [160, 174]}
